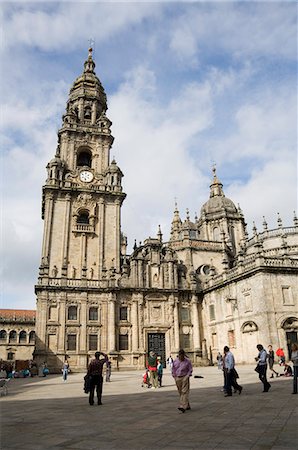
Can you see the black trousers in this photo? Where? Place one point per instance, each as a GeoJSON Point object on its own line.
{"type": "Point", "coordinates": [95, 382]}
{"type": "Point", "coordinates": [263, 377]}
{"type": "Point", "coordinates": [230, 382]}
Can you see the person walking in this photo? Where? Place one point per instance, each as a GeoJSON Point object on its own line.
{"type": "Point", "coordinates": [181, 371]}
{"type": "Point", "coordinates": [294, 359]}
{"type": "Point", "coordinates": [108, 371]}
{"type": "Point", "coordinates": [152, 367]}
{"type": "Point", "coordinates": [230, 373]}
{"type": "Point", "coordinates": [96, 379]}
{"type": "Point", "coordinates": [170, 362]}
{"type": "Point", "coordinates": [262, 367]}
{"type": "Point", "coordinates": [159, 372]}
{"type": "Point", "coordinates": [65, 370]}
{"type": "Point", "coordinates": [271, 361]}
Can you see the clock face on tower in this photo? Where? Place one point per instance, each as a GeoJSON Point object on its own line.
{"type": "Point", "coordinates": [86, 176]}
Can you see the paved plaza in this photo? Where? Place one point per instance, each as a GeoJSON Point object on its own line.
{"type": "Point", "coordinates": [46, 413]}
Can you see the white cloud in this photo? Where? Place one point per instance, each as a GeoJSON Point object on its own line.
{"type": "Point", "coordinates": [258, 29]}
{"type": "Point", "coordinates": [187, 84]}
{"type": "Point", "coordinates": [64, 27]}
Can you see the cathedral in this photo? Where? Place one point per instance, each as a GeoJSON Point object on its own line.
{"type": "Point", "coordinates": [210, 285]}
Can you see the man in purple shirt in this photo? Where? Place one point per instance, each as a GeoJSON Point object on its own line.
{"type": "Point", "coordinates": [181, 371]}
{"type": "Point", "coordinates": [95, 374]}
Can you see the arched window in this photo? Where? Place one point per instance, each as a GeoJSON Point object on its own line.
{"type": "Point", "coordinates": [31, 337]}
{"type": "Point", "coordinates": [84, 158]}
{"type": "Point", "coordinates": [3, 335]}
{"type": "Point", "coordinates": [83, 218]}
{"type": "Point", "coordinates": [22, 337]}
{"type": "Point", "coordinates": [13, 336]}
{"type": "Point", "coordinates": [72, 313]}
{"type": "Point", "coordinates": [216, 234]}
{"type": "Point", "coordinates": [249, 327]}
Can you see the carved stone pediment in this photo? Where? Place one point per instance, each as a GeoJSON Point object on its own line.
{"type": "Point", "coordinates": [72, 330]}
{"type": "Point", "coordinates": [52, 330]}
{"type": "Point", "coordinates": [156, 297]}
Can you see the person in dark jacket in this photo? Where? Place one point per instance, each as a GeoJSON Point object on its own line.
{"type": "Point", "coordinates": [95, 374]}
{"type": "Point", "coordinates": [271, 361]}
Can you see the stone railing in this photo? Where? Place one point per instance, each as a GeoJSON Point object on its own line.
{"type": "Point", "coordinates": [255, 262]}
{"type": "Point", "coordinates": [83, 228]}
{"type": "Point", "coordinates": [277, 232]}
{"type": "Point", "coordinates": [75, 282]}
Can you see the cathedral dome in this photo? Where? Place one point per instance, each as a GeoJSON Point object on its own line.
{"type": "Point", "coordinates": [217, 201]}
{"type": "Point", "coordinates": [215, 204]}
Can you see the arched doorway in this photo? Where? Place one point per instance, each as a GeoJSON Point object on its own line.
{"type": "Point", "coordinates": [290, 325]}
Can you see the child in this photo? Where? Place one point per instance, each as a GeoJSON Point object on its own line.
{"type": "Point", "coordinates": [146, 382]}
{"type": "Point", "coordinates": [159, 372]}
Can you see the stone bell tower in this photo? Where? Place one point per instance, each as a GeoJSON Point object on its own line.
{"type": "Point", "coordinates": [81, 205]}
{"type": "Point", "coordinates": [82, 196]}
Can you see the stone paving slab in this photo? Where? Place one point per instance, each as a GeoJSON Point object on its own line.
{"type": "Point", "coordinates": [46, 413]}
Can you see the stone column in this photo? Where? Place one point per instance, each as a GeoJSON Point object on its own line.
{"type": "Point", "coordinates": [83, 253]}
{"type": "Point", "coordinates": [170, 275]}
{"type": "Point", "coordinates": [195, 322]}
{"type": "Point", "coordinates": [61, 332]}
{"type": "Point", "coordinates": [101, 219]}
{"type": "Point", "coordinates": [83, 327]}
{"type": "Point", "coordinates": [111, 323]}
{"type": "Point", "coordinates": [49, 198]}
{"type": "Point", "coordinates": [65, 235]}
{"type": "Point", "coordinates": [175, 277]}
{"type": "Point", "coordinates": [134, 323]}
{"type": "Point", "coordinates": [117, 236]}
{"type": "Point", "coordinates": [176, 326]}
{"type": "Point", "coordinates": [141, 322]}
{"type": "Point", "coordinates": [140, 273]}
{"type": "Point", "coordinates": [41, 323]}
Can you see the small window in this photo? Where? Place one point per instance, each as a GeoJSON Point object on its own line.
{"type": "Point", "coordinates": [3, 335]}
{"type": "Point", "coordinates": [231, 338]}
{"type": "Point", "coordinates": [93, 340]}
{"type": "Point", "coordinates": [185, 341]}
{"type": "Point", "coordinates": [72, 313]}
{"type": "Point", "coordinates": [71, 342]}
{"type": "Point", "coordinates": [84, 159]}
{"type": "Point", "coordinates": [185, 315]}
{"type": "Point", "coordinates": [83, 218]}
{"type": "Point", "coordinates": [123, 313]}
{"type": "Point", "coordinates": [13, 336]}
{"type": "Point", "coordinates": [93, 314]}
{"type": "Point", "coordinates": [123, 342]}
{"type": "Point", "coordinates": [31, 337]}
{"type": "Point", "coordinates": [212, 312]}
{"type": "Point", "coordinates": [10, 356]}
{"type": "Point", "coordinates": [22, 337]}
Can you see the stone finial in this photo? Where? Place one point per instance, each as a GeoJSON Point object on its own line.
{"type": "Point", "coordinates": [265, 225]}
{"type": "Point", "coordinates": [159, 234]}
{"type": "Point", "coordinates": [196, 217]}
{"type": "Point", "coordinates": [187, 214]}
{"type": "Point", "coordinates": [279, 221]}
{"type": "Point", "coordinates": [295, 220]}
{"type": "Point", "coordinates": [254, 229]}
{"type": "Point", "coordinates": [240, 210]}
{"type": "Point", "coordinates": [135, 245]}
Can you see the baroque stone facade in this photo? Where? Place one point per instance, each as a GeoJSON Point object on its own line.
{"type": "Point", "coordinates": [17, 335]}
{"type": "Point", "coordinates": [210, 285]}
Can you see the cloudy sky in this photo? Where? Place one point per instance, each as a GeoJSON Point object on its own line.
{"type": "Point", "coordinates": [188, 85]}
